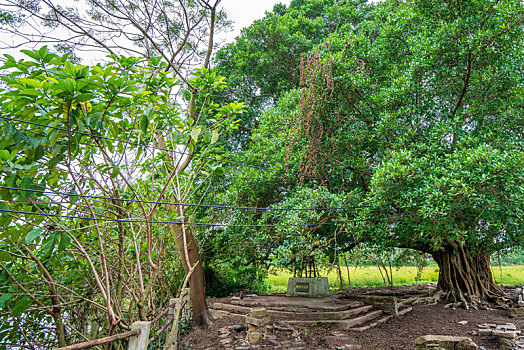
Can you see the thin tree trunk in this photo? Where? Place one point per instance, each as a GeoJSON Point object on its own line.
{"type": "Point", "coordinates": [390, 272]}
{"type": "Point", "coordinates": [201, 315]}
{"type": "Point", "coordinates": [347, 268]}
{"type": "Point", "coordinates": [341, 284]}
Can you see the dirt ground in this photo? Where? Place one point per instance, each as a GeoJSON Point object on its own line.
{"type": "Point", "coordinates": [401, 332]}
{"type": "Point", "coordinates": [397, 333]}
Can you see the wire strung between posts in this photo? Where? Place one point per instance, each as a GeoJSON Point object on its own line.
{"type": "Point", "coordinates": [9, 211]}
{"type": "Point", "coordinates": [138, 144]}
{"type": "Point", "coordinates": [57, 193]}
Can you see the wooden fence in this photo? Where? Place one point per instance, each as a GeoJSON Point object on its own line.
{"type": "Point", "coordinates": [139, 335]}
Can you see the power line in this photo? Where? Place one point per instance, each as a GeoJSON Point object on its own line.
{"type": "Point", "coordinates": [170, 203]}
{"type": "Point", "coordinates": [146, 146]}
{"type": "Point", "coordinates": [164, 222]}
{"type": "Point", "coordinates": [194, 223]}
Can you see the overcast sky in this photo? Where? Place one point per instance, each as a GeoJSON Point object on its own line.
{"type": "Point", "coordinates": [241, 12]}
{"type": "Point", "coordinates": [244, 12]}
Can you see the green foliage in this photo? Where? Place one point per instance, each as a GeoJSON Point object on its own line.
{"type": "Point", "coordinates": [262, 65]}
{"type": "Point", "coordinates": [438, 159]}
{"type": "Point", "coordinates": [226, 279]}
{"type": "Point", "coordinates": [470, 196]}
{"type": "Point", "coordinates": [415, 115]}
{"type": "Point", "coordinates": [264, 60]}
{"type": "Point", "coordinates": [508, 257]}
{"type": "Point", "coordinates": [90, 131]}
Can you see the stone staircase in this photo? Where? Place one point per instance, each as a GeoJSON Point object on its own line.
{"type": "Point", "coordinates": [336, 311]}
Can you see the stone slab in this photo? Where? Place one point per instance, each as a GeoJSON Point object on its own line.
{"type": "Point", "coordinates": [333, 302]}
{"type": "Point", "coordinates": [258, 322]}
{"type": "Point", "coordinates": [294, 315]}
{"type": "Point", "coordinates": [506, 334]}
{"type": "Point", "coordinates": [312, 287]}
{"type": "Point", "coordinates": [445, 342]}
{"type": "Point", "coordinates": [340, 324]}
{"type": "Point", "coordinates": [258, 312]}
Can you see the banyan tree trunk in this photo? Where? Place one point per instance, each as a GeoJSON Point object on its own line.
{"type": "Point", "coordinates": [465, 274]}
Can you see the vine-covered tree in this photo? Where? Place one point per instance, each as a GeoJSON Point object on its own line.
{"type": "Point", "coordinates": [417, 114]}
{"type": "Point", "coordinates": [263, 62]}
{"type": "Point", "coordinates": [423, 110]}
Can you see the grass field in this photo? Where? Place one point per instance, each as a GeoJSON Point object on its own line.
{"type": "Point", "coordinates": [369, 276]}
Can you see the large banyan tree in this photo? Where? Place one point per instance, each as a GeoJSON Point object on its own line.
{"type": "Point", "coordinates": [421, 110]}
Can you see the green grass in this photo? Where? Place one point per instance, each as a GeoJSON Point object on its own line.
{"type": "Point", "coordinates": [369, 276]}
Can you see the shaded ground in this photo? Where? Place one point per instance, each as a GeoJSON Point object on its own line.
{"type": "Point", "coordinates": [399, 332]}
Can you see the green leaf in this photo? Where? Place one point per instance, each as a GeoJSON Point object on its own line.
{"type": "Point", "coordinates": [31, 236]}
{"type": "Point", "coordinates": [5, 299]}
{"type": "Point", "coordinates": [69, 68]}
{"type": "Point", "coordinates": [195, 133]}
{"type": "Point", "coordinates": [43, 51]}
{"type": "Point", "coordinates": [49, 244]}
{"type": "Point", "coordinates": [27, 183]}
{"type": "Point", "coordinates": [115, 172]}
{"type": "Point", "coordinates": [54, 161]}
{"type": "Point", "coordinates": [64, 242]}
{"type": "Point", "coordinates": [214, 137]}
{"type": "Point", "coordinates": [31, 54]}
{"type": "Point", "coordinates": [4, 155]}
{"type": "Point", "coordinates": [5, 256]}
{"type": "Point", "coordinates": [31, 92]}
{"type": "Point", "coordinates": [85, 97]}
{"type": "Point", "coordinates": [144, 123]}
{"type": "Point", "coordinates": [9, 131]}
{"type": "Point", "coordinates": [21, 305]}
{"type": "Point", "coordinates": [207, 136]}
{"type": "Point", "coordinates": [33, 141]}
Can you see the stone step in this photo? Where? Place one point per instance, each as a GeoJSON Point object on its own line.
{"type": "Point", "coordinates": [376, 322]}
{"type": "Point", "coordinates": [372, 324]}
{"type": "Point", "coordinates": [321, 315]}
{"type": "Point", "coordinates": [332, 303]}
{"type": "Point", "coordinates": [307, 316]}
{"type": "Point", "coordinates": [231, 308]}
{"type": "Point", "coordinates": [340, 324]}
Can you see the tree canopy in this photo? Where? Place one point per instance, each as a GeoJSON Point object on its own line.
{"type": "Point", "coordinates": [416, 114]}
{"type": "Point", "coordinates": [393, 125]}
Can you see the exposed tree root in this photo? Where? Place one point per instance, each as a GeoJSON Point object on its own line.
{"type": "Point", "coordinates": [465, 277]}
{"type": "Point", "coordinates": [431, 299]}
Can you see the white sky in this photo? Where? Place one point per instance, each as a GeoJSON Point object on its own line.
{"type": "Point", "coordinates": [241, 12]}
{"type": "Point", "coordinates": [244, 12]}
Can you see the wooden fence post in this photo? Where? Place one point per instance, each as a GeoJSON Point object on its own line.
{"type": "Point", "coordinates": [185, 313]}
{"type": "Point", "coordinates": [140, 342]}
{"type": "Point", "coordinates": [186, 303]}
{"type": "Point", "coordinates": [171, 317]}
